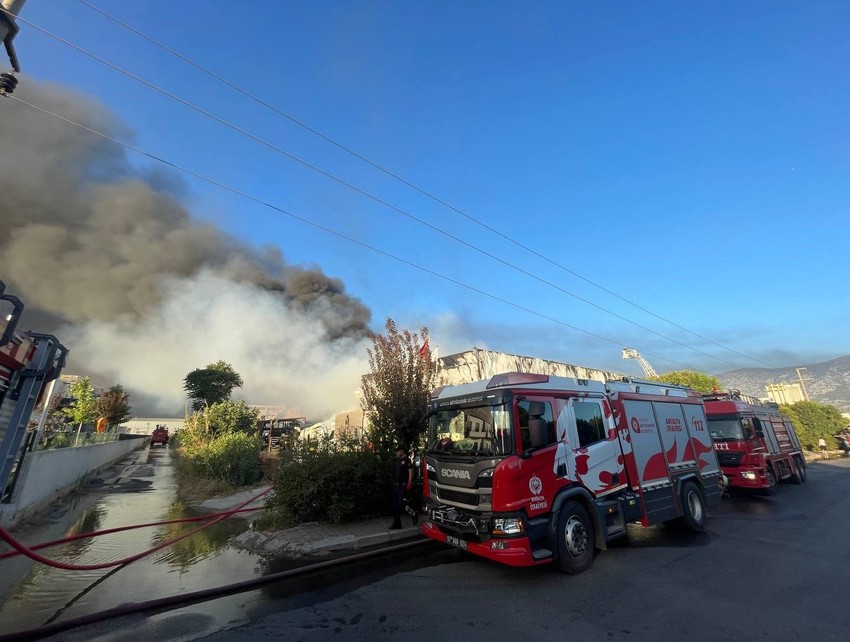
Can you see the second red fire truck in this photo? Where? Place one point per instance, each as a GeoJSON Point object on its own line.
{"type": "Point", "coordinates": [530, 469]}
{"type": "Point", "coordinates": [756, 446]}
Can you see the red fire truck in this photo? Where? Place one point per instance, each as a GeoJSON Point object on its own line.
{"type": "Point", "coordinates": [529, 469]}
{"type": "Point", "coordinates": [756, 446]}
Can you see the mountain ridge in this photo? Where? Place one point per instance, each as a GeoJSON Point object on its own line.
{"type": "Point", "coordinates": [826, 382]}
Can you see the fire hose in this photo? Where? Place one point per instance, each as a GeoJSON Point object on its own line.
{"type": "Point", "coordinates": [30, 551]}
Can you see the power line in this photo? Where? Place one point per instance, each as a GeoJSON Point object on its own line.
{"type": "Point", "coordinates": [361, 191]}
{"type": "Point", "coordinates": [319, 226]}
{"type": "Point", "coordinates": [403, 180]}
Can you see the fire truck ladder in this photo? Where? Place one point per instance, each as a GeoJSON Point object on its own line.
{"type": "Point", "coordinates": [26, 384]}
{"type": "Point", "coordinates": [631, 353]}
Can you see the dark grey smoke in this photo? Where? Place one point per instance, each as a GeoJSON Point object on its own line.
{"type": "Point", "coordinates": [84, 237]}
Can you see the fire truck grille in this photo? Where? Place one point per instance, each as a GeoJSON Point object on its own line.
{"type": "Point", "coordinates": [728, 458]}
{"type": "Point", "coordinates": [469, 499]}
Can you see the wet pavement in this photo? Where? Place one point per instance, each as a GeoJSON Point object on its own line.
{"type": "Point", "coordinates": [142, 488]}
{"type": "Point", "coordinates": [139, 489]}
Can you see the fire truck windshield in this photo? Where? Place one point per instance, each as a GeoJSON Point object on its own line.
{"type": "Point", "coordinates": [728, 428]}
{"type": "Point", "coordinates": [483, 431]}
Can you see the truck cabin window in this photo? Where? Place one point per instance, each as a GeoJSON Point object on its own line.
{"type": "Point", "coordinates": [523, 407]}
{"type": "Point", "coordinates": [589, 422]}
{"type": "Point", "coordinates": [483, 431]}
{"type": "Point", "coordinates": [730, 428]}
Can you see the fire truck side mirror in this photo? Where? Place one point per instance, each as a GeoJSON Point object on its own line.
{"type": "Point", "coordinates": [536, 409]}
{"type": "Point", "coordinates": [538, 432]}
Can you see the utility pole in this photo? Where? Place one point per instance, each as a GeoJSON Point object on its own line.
{"type": "Point", "coordinates": [9, 9]}
{"type": "Point", "coordinates": [9, 28]}
{"type": "Point", "coordinates": [800, 372]}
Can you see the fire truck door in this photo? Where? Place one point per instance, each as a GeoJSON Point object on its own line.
{"type": "Point", "coordinates": [595, 446]}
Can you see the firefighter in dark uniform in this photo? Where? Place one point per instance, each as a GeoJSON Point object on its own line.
{"type": "Point", "coordinates": [402, 481]}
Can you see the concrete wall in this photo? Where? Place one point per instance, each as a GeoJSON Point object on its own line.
{"type": "Point", "coordinates": [48, 474]}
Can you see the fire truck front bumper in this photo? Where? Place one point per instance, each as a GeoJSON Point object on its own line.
{"type": "Point", "coordinates": [746, 477]}
{"type": "Point", "coordinates": [513, 552]}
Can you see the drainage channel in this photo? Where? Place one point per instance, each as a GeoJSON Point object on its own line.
{"type": "Point", "coordinates": [140, 489]}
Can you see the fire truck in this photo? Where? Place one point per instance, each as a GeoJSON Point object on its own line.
{"type": "Point", "coordinates": [28, 360]}
{"type": "Point", "coordinates": [756, 446]}
{"type": "Point", "coordinates": [530, 469]}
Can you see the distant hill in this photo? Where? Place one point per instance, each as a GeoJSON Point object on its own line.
{"type": "Point", "coordinates": [827, 382]}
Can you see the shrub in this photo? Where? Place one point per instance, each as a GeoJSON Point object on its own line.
{"type": "Point", "coordinates": [232, 457]}
{"type": "Point", "coordinates": [58, 440]}
{"type": "Point", "coordinates": [329, 482]}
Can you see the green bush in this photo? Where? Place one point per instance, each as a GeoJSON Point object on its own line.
{"type": "Point", "coordinates": [232, 457]}
{"type": "Point", "coordinates": [58, 440]}
{"type": "Point", "coordinates": [329, 482]}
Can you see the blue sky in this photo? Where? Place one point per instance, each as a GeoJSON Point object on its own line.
{"type": "Point", "coordinates": [691, 158]}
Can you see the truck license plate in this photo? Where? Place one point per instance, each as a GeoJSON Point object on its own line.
{"type": "Point", "coordinates": [456, 542]}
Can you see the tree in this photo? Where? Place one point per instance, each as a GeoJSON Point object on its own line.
{"type": "Point", "coordinates": [227, 417]}
{"type": "Point", "coordinates": [83, 408]}
{"type": "Point", "coordinates": [55, 419]}
{"type": "Point", "coordinates": [218, 442]}
{"type": "Point", "coordinates": [398, 389]}
{"type": "Point", "coordinates": [814, 420]}
{"type": "Point", "coordinates": [213, 384]}
{"type": "Point", "coordinates": [114, 404]}
{"type": "Point", "coordinates": [698, 381]}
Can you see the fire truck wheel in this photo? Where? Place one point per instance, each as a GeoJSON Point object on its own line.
{"type": "Point", "coordinates": [576, 541]}
{"type": "Point", "coordinates": [799, 471]}
{"type": "Point", "coordinates": [693, 507]}
{"type": "Point", "coordinates": [771, 482]}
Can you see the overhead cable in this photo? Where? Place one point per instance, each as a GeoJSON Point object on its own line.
{"type": "Point", "coordinates": [403, 180]}
{"type": "Point", "coordinates": [329, 230]}
{"type": "Point", "coordinates": [365, 193]}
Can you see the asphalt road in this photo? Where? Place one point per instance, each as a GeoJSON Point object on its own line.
{"type": "Point", "coordinates": [767, 568]}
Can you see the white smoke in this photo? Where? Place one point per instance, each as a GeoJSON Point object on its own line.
{"type": "Point", "coordinates": [282, 354]}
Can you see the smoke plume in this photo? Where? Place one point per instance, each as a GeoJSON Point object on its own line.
{"type": "Point", "coordinates": [109, 259]}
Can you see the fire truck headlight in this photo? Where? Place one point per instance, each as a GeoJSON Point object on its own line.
{"type": "Point", "coordinates": [747, 474]}
{"type": "Point", "coordinates": [507, 526]}
{"type": "Point", "coordinates": [430, 468]}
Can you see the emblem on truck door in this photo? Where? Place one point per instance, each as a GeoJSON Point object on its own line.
{"type": "Point", "coordinates": [535, 485]}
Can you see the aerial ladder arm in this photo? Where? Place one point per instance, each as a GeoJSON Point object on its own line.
{"type": "Point", "coordinates": [648, 370]}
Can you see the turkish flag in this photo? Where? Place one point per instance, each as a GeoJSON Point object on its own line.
{"type": "Point", "coordinates": [423, 351]}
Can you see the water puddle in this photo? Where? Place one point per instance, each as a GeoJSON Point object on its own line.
{"type": "Point", "coordinates": [140, 489]}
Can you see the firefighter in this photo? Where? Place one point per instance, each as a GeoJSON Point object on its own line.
{"type": "Point", "coordinates": [402, 481]}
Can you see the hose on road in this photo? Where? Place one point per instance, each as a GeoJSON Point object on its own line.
{"type": "Point", "coordinates": [166, 603]}
{"type": "Point", "coordinates": [30, 551]}
{"type": "Point", "coordinates": [118, 529]}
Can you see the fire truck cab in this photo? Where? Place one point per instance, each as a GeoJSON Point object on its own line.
{"type": "Point", "coordinates": [530, 469]}
{"type": "Point", "coordinates": [756, 446]}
